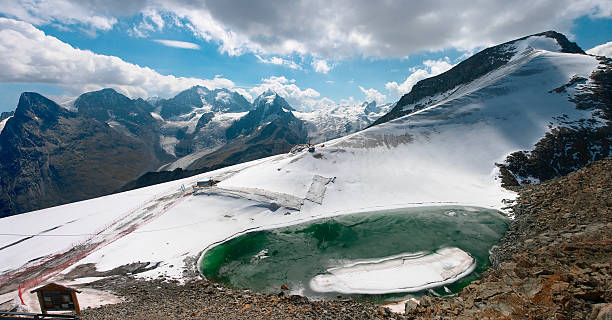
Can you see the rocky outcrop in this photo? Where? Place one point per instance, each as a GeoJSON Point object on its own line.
{"type": "Point", "coordinates": [570, 145]}
{"type": "Point", "coordinates": [554, 262]}
{"type": "Point", "coordinates": [131, 117]}
{"type": "Point", "coordinates": [4, 115]}
{"type": "Point", "coordinates": [269, 107]}
{"type": "Point", "coordinates": [51, 156]}
{"type": "Point", "coordinates": [269, 129]}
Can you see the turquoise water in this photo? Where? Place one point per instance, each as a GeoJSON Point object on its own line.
{"type": "Point", "coordinates": [264, 260]}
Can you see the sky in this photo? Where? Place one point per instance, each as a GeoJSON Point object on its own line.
{"type": "Point", "coordinates": [314, 53]}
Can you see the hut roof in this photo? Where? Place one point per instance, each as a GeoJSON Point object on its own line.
{"type": "Point", "coordinates": [55, 287]}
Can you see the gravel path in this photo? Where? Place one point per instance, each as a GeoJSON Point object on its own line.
{"type": "Point", "coordinates": [200, 299]}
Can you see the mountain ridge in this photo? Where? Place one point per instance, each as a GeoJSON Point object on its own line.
{"type": "Point", "coordinates": [52, 156]}
{"type": "Point", "coordinates": [468, 70]}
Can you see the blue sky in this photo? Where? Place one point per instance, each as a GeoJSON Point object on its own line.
{"type": "Point", "coordinates": [323, 54]}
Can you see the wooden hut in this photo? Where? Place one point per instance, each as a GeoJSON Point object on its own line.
{"type": "Point", "coordinates": [206, 184]}
{"type": "Point", "coordinates": [55, 297]}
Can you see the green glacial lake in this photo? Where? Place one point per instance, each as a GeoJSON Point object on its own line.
{"type": "Point", "coordinates": [381, 253]}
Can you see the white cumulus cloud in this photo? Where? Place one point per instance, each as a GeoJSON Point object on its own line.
{"type": "Point", "coordinates": [336, 29]}
{"type": "Point", "coordinates": [373, 95]}
{"type": "Point", "coordinates": [431, 68]}
{"type": "Point", "coordinates": [301, 99]}
{"type": "Point", "coordinates": [321, 66]}
{"type": "Point", "coordinates": [327, 29]}
{"type": "Point", "coordinates": [278, 61]}
{"type": "Point", "coordinates": [602, 50]}
{"type": "Point", "coordinates": [28, 55]}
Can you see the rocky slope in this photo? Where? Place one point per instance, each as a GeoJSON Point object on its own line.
{"type": "Point", "coordinates": [5, 115]}
{"type": "Point", "coordinates": [554, 262]}
{"type": "Point", "coordinates": [569, 145]}
{"type": "Point", "coordinates": [200, 299]}
{"type": "Point", "coordinates": [195, 120]}
{"type": "Point", "coordinates": [269, 129]}
{"type": "Point", "coordinates": [51, 156]}
{"type": "Point", "coordinates": [198, 130]}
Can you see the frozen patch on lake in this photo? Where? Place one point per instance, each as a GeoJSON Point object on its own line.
{"type": "Point", "coordinates": [399, 273]}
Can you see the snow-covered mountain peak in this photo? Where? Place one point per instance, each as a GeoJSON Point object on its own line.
{"type": "Point", "coordinates": [202, 91]}
{"type": "Point", "coordinates": [480, 69]}
{"type": "Point", "coordinates": [335, 121]}
{"type": "Point", "coordinates": [271, 98]}
{"type": "Point", "coordinates": [537, 43]}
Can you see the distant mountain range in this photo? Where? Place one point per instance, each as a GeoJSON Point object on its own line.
{"type": "Point", "coordinates": [105, 141]}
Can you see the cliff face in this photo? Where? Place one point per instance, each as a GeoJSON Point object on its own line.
{"type": "Point", "coordinates": [51, 156]}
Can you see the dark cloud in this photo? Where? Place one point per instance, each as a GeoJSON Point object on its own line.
{"type": "Point", "coordinates": [337, 29]}
{"type": "Point", "coordinates": [390, 28]}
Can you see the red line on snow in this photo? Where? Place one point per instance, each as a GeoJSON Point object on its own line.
{"type": "Point", "coordinates": [46, 273]}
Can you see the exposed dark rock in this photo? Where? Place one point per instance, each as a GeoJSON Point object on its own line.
{"type": "Point", "coordinates": [220, 99]}
{"type": "Point", "coordinates": [273, 138]}
{"type": "Point", "coordinates": [268, 130]}
{"type": "Point", "coordinates": [570, 145]}
{"type": "Point", "coordinates": [4, 115]}
{"type": "Point", "coordinates": [51, 156]}
{"type": "Point", "coordinates": [267, 109]}
{"type": "Point", "coordinates": [204, 119]}
{"type": "Point", "coordinates": [371, 107]}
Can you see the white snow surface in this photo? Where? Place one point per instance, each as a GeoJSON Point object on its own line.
{"type": "Point", "coordinates": [444, 154]}
{"type": "Point", "coordinates": [336, 121]}
{"type": "Point", "coordinates": [188, 122]}
{"type": "Point", "coordinates": [399, 273]}
{"type": "Point", "coordinates": [3, 123]}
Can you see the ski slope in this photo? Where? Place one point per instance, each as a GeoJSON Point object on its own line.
{"type": "Point", "coordinates": [443, 154]}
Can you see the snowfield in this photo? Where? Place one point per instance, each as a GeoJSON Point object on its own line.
{"type": "Point", "coordinates": [444, 154]}
{"type": "Point", "coordinates": [335, 121]}
{"type": "Point", "coordinates": [3, 123]}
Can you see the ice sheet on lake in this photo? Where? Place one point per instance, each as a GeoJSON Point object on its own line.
{"type": "Point", "coordinates": [399, 273]}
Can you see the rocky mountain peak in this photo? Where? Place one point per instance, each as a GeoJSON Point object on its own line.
{"type": "Point", "coordinates": [218, 100]}
{"type": "Point", "coordinates": [34, 106]}
{"type": "Point", "coordinates": [370, 107]}
{"type": "Point", "coordinates": [109, 105]}
{"type": "Point", "coordinates": [273, 99]}
{"type": "Point", "coordinates": [566, 45]}
{"type": "Point", "coordinates": [269, 107]}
